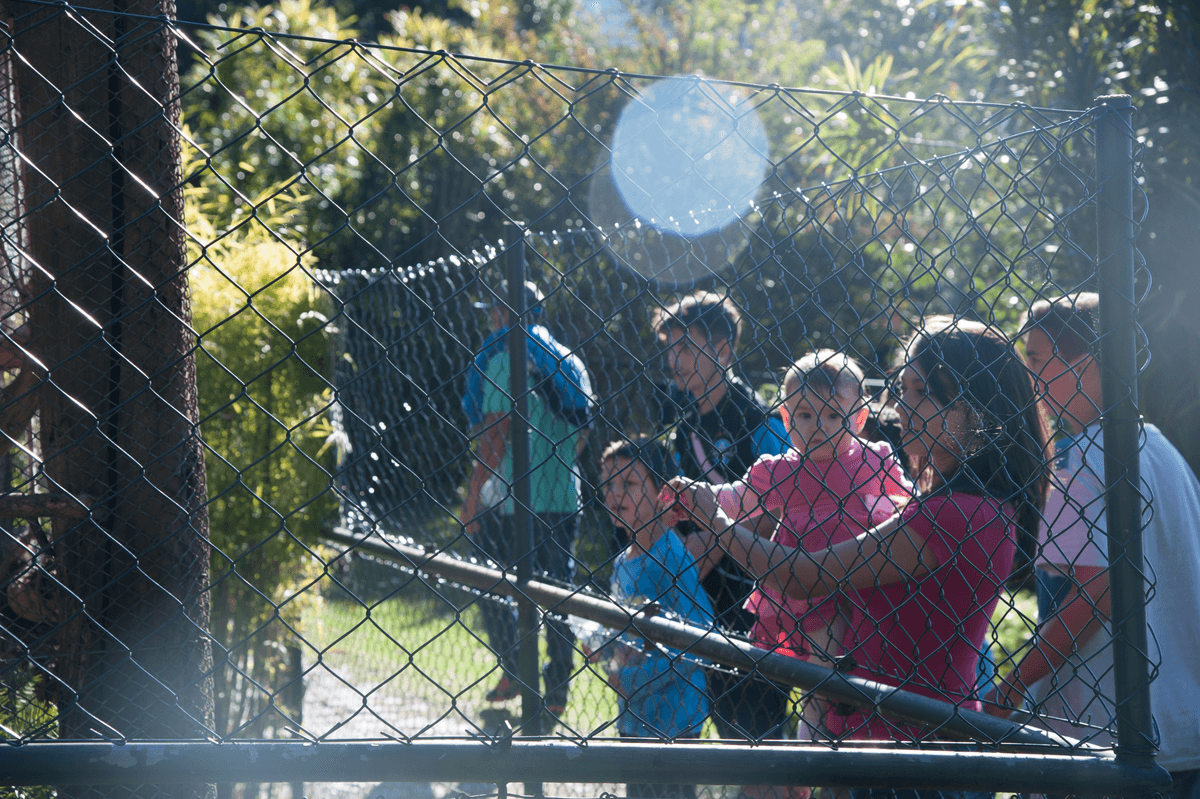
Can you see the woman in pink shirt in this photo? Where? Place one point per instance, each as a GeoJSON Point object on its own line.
{"type": "Point", "coordinates": [927, 579]}
{"type": "Point", "coordinates": [831, 486]}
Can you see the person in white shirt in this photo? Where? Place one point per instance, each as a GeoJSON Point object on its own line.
{"type": "Point", "coordinates": [1068, 670]}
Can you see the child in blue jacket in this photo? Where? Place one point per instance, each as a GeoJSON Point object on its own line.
{"type": "Point", "coordinates": [662, 693]}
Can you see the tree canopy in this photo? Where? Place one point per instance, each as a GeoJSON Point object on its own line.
{"type": "Point", "coordinates": [399, 169]}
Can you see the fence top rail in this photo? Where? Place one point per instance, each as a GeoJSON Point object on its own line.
{"type": "Point", "coordinates": [509, 760]}
{"type": "Point", "coordinates": [721, 648]}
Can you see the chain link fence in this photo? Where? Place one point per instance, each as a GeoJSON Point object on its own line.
{"type": "Point", "coordinates": [366, 397]}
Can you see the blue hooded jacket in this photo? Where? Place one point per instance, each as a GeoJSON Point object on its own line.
{"type": "Point", "coordinates": [555, 373]}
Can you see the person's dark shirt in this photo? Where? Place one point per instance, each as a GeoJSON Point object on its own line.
{"type": "Point", "coordinates": [720, 446]}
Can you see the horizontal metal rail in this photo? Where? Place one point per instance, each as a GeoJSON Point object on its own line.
{"type": "Point", "coordinates": [942, 717]}
{"type": "Point", "coordinates": [508, 760]}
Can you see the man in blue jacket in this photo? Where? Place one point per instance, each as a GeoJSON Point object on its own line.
{"type": "Point", "coordinates": [560, 409]}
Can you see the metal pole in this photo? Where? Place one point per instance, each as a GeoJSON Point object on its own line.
{"type": "Point", "coordinates": [1122, 427]}
{"type": "Point", "coordinates": [523, 543]}
{"type": "Point", "coordinates": [712, 645]}
{"type": "Point", "coordinates": [295, 702]}
{"type": "Point", "coordinates": [503, 761]}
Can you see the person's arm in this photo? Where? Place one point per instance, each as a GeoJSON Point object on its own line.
{"type": "Point", "coordinates": [745, 503]}
{"type": "Point", "coordinates": [737, 499]}
{"type": "Point", "coordinates": [883, 555]}
{"type": "Point", "coordinates": [765, 525]}
{"type": "Point", "coordinates": [734, 498]}
{"type": "Point", "coordinates": [493, 441]}
{"type": "Point", "coordinates": [1082, 614]}
{"type": "Point", "coordinates": [704, 553]}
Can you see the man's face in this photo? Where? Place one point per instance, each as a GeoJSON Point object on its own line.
{"type": "Point", "coordinates": [1057, 380]}
{"type": "Point", "coordinates": [697, 363]}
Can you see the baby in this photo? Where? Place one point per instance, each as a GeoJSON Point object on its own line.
{"type": "Point", "coordinates": [830, 487]}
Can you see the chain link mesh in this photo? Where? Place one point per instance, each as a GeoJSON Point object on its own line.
{"type": "Point", "coordinates": [353, 217]}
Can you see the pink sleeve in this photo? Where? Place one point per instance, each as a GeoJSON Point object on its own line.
{"type": "Point", "coordinates": [750, 496]}
{"type": "Point", "coordinates": [738, 500]}
{"type": "Point", "coordinates": [894, 481]}
{"type": "Point", "coordinates": [764, 478]}
{"type": "Point", "coordinates": [947, 524]}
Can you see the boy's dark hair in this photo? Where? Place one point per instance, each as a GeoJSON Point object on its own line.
{"type": "Point", "coordinates": [644, 450]}
{"type": "Point", "coordinates": [712, 314]}
{"type": "Point", "coordinates": [1069, 322]}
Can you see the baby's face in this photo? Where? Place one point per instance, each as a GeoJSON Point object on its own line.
{"type": "Point", "coordinates": [820, 425]}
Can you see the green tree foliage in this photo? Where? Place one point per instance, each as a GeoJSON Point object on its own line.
{"type": "Point", "coordinates": [415, 157]}
{"type": "Point", "coordinates": [405, 158]}
{"type": "Point", "coordinates": [296, 104]}
{"type": "Point", "coordinates": [261, 366]}
{"type": "Point", "coordinates": [401, 158]}
{"type": "Point", "coordinates": [1068, 52]}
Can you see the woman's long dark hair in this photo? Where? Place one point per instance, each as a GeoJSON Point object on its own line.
{"type": "Point", "coordinates": [975, 366]}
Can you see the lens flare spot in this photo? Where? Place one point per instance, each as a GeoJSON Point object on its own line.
{"type": "Point", "coordinates": [688, 158]}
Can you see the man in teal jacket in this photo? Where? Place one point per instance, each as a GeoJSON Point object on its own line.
{"type": "Point", "coordinates": [560, 409]}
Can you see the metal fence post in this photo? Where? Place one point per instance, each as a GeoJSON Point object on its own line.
{"type": "Point", "coordinates": [1122, 426]}
{"type": "Point", "coordinates": [523, 543]}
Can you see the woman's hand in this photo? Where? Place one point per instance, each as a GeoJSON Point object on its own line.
{"type": "Point", "coordinates": [676, 496]}
{"type": "Point", "coordinates": [680, 498]}
{"type": "Point", "coordinates": [707, 512]}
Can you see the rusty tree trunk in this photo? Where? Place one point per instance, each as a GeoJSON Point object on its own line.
{"type": "Point", "coordinates": [110, 320]}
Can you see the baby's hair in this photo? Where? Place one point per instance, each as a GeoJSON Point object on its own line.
{"type": "Point", "coordinates": [833, 371]}
{"type": "Point", "coordinates": [1069, 322]}
{"type": "Point", "coordinates": [641, 449]}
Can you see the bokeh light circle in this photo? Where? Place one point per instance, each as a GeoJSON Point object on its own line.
{"type": "Point", "coordinates": [688, 157]}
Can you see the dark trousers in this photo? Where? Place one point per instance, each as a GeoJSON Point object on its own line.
{"type": "Point", "coordinates": [554, 537]}
{"type": "Point", "coordinates": [746, 706]}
